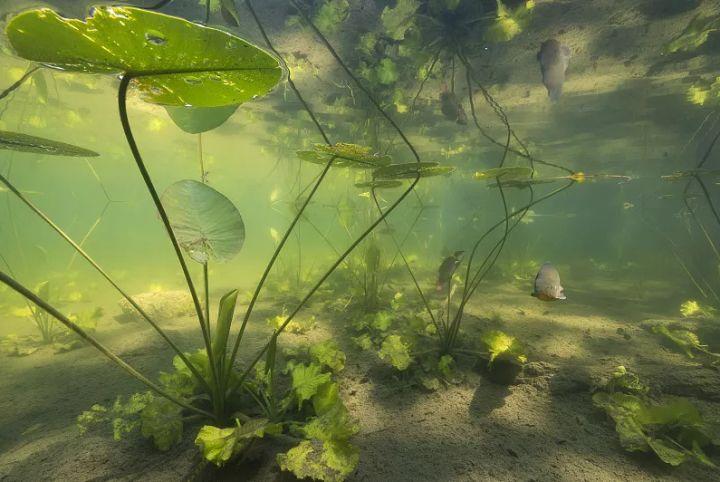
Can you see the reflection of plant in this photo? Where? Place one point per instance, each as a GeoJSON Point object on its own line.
{"type": "Point", "coordinates": [674, 430]}
{"type": "Point", "coordinates": [691, 308]}
{"type": "Point", "coordinates": [695, 34]}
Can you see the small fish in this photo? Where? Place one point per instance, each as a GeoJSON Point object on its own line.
{"type": "Point", "coordinates": [447, 269]}
{"type": "Point", "coordinates": [547, 284]}
{"type": "Point", "coordinates": [451, 107]}
{"type": "Point", "coordinates": [553, 58]}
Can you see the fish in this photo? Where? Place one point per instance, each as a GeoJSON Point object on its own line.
{"type": "Point", "coordinates": [447, 269]}
{"type": "Point", "coordinates": [553, 57]}
{"type": "Point", "coordinates": [451, 107]}
{"type": "Point", "coordinates": [547, 284]}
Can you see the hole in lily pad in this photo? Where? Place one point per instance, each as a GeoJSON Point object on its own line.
{"type": "Point", "coordinates": [154, 37]}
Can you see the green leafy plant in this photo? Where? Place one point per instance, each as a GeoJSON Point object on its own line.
{"type": "Point", "coordinates": [674, 430]}
{"type": "Point", "coordinates": [686, 341]}
{"type": "Point", "coordinates": [173, 62]}
{"type": "Point", "coordinates": [695, 34]}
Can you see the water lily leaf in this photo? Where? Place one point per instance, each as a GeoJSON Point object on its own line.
{"type": "Point", "coordinates": [502, 345]}
{"type": "Point", "coordinates": [307, 380]}
{"type": "Point", "coordinates": [396, 21]}
{"type": "Point", "coordinates": [379, 184]}
{"type": "Point", "coordinates": [219, 445]}
{"type": "Point", "coordinates": [162, 421]}
{"type": "Point", "coordinates": [506, 173]}
{"type": "Point", "coordinates": [206, 223]}
{"type": "Point", "coordinates": [174, 61]}
{"type": "Point", "coordinates": [330, 461]}
{"type": "Point", "coordinates": [15, 141]}
{"type": "Point", "coordinates": [346, 155]}
{"type": "Point", "coordinates": [680, 175]}
{"type": "Point", "coordinates": [411, 170]}
{"type": "Point", "coordinates": [195, 120]}
{"type": "Point", "coordinates": [329, 354]}
{"type": "Point", "coordinates": [396, 351]}
{"type": "Point", "coordinates": [522, 183]}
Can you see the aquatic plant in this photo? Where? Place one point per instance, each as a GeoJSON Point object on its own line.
{"type": "Point", "coordinates": [695, 34]}
{"type": "Point", "coordinates": [177, 63]}
{"type": "Point", "coordinates": [686, 341]}
{"type": "Point", "coordinates": [674, 430]}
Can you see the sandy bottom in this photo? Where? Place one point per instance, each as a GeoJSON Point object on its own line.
{"type": "Point", "coordinates": [543, 428]}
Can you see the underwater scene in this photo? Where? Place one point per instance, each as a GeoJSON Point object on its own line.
{"type": "Point", "coordinates": [360, 240]}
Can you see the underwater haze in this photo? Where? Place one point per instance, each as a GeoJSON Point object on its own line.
{"type": "Point", "coordinates": [378, 240]}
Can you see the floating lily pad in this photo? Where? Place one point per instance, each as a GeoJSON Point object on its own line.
{"type": "Point", "coordinates": [195, 120]}
{"type": "Point", "coordinates": [206, 223]}
{"type": "Point", "coordinates": [14, 141]}
{"type": "Point", "coordinates": [346, 155]}
{"type": "Point", "coordinates": [522, 183]}
{"type": "Point", "coordinates": [378, 184]}
{"type": "Point", "coordinates": [411, 170]}
{"type": "Point", "coordinates": [680, 175]}
{"type": "Point", "coordinates": [174, 61]}
{"type": "Point", "coordinates": [506, 173]}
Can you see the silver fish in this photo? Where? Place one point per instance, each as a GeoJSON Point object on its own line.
{"type": "Point", "coordinates": [547, 284]}
{"type": "Point", "coordinates": [447, 269]}
{"type": "Point", "coordinates": [553, 58]}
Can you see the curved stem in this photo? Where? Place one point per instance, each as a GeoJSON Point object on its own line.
{"type": "Point", "coordinates": [22, 290]}
{"type": "Point", "coordinates": [78, 249]}
{"type": "Point", "coordinates": [19, 82]}
{"type": "Point", "coordinates": [124, 120]}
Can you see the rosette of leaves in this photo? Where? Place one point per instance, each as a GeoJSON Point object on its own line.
{"type": "Point", "coordinates": [674, 430]}
{"type": "Point", "coordinates": [345, 155]}
{"type": "Point", "coordinates": [506, 356]}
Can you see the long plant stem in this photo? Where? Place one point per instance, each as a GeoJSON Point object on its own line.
{"type": "Point", "coordinates": [17, 84]}
{"type": "Point", "coordinates": [25, 292]}
{"type": "Point", "coordinates": [374, 224]}
{"type": "Point", "coordinates": [122, 109]}
{"type": "Point", "coordinates": [78, 249]}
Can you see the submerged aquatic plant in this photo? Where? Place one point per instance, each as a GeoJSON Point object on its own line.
{"type": "Point", "coordinates": [686, 341]}
{"type": "Point", "coordinates": [674, 430]}
{"type": "Point", "coordinates": [174, 62]}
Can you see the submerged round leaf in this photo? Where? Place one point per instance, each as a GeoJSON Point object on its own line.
{"type": "Point", "coordinates": [173, 61]}
{"type": "Point", "coordinates": [195, 120]}
{"type": "Point", "coordinates": [379, 184]}
{"type": "Point", "coordinates": [206, 223]}
{"type": "Point", "coordinates": [346, 155]}
{"type": "Point", "coordinates": [506, 173]}
{"type": "Point", "coordinates": [411, 170]}
{"type": "Point", "coordinates": [14, 141]}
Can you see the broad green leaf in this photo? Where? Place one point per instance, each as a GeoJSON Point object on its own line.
{"type": "Point", "coordinates": [329, 354]}
{"type": "Point", "coordinates": [397, 20]}
{"type": "Point", "coordinates": [667, 452]}
{"type": "Point", "coordinates": [327, 461]}
{"type": "Point", "coordinates": [173, 61]}
{"type": "Point", "coordinates": [333, 424]}
{"type": "Point", "coordinates": [15, 141]}
{"type": "Point", "coordinates": [411, 170]}
{"type": "Point", "coordinates": [307, 380]}
{"type": "Point", "coordinates": [195, 120]}
{"type": "Point", "coordinates": [505, 173]}
{"type": "Point", "coordinates": [206, 223]}
{"type": "Point", "coordinates": [220, 445]}
{"type": "Point", "coordinates": [387, 72]}
{"type": "Point", "coordinates": [396, 351]}
{"type": "Point", "coordinates": [326, 397]}
{"type": "Point", "coordinates": [345, 155]}
{"type": "Point", "coordinates": [226, 311]}
{"type": "Point", "coordinates": [162, 421]}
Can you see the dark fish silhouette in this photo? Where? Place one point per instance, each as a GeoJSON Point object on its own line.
{"type": "Point", "coordinates": [547, 284]}
{"type": "Point", "coordinates": [447, 269]}
{"type": "Point", "coordinates": [451, 107]}
{"type": "Point", "coordinates": [553, 58]}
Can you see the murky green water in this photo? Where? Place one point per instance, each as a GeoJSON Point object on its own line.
{"type": "Point", "coordinates": [616, 184]}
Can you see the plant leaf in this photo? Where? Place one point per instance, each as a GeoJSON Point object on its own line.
{"type": "Point", "coordinates": [307, 380]}
{"type": "Point", "coordinates": [226, 311]}
{"type": "Point", "coordinates": [346, 155]}
{"type": "Point", "coordinates": [329, 354]}
{"type": "Point", "coordinates": [206, 223]}
{"type": "Point", "coordinates": [219, 445]}
{"type": "Point", "coordinates": [212, 67]}
{"type": "Point", "coordinates": [162, 421]}
{"type": "Point", "coordinates": [15, 141]}
{"type": "Point", "coordinates": [410, 170]}
{"type": "Point", "coordinates": [329, 461]}
{"type": "Point", "coordinates": [195, 120]}
{"type": "Point", "coordinates": [396, 351]}
{"type": "Point", "coordinates": [505, 173]}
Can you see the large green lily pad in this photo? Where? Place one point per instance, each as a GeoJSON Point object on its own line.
{"type": "Point", "coordinates": [195, 120]}
{"type": "Point", "coordinates": [505, 173]}
{"type": "Point", "coordinates": [173, 61]}
{"type": "Point", "coordinates": [411, 170]}
{"type": "Point", "coordinates": [206, 223]}
{"type": "Point", "coordinates": [15, 141]}
{"type": "Point", "coordinates": [346, 155]}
